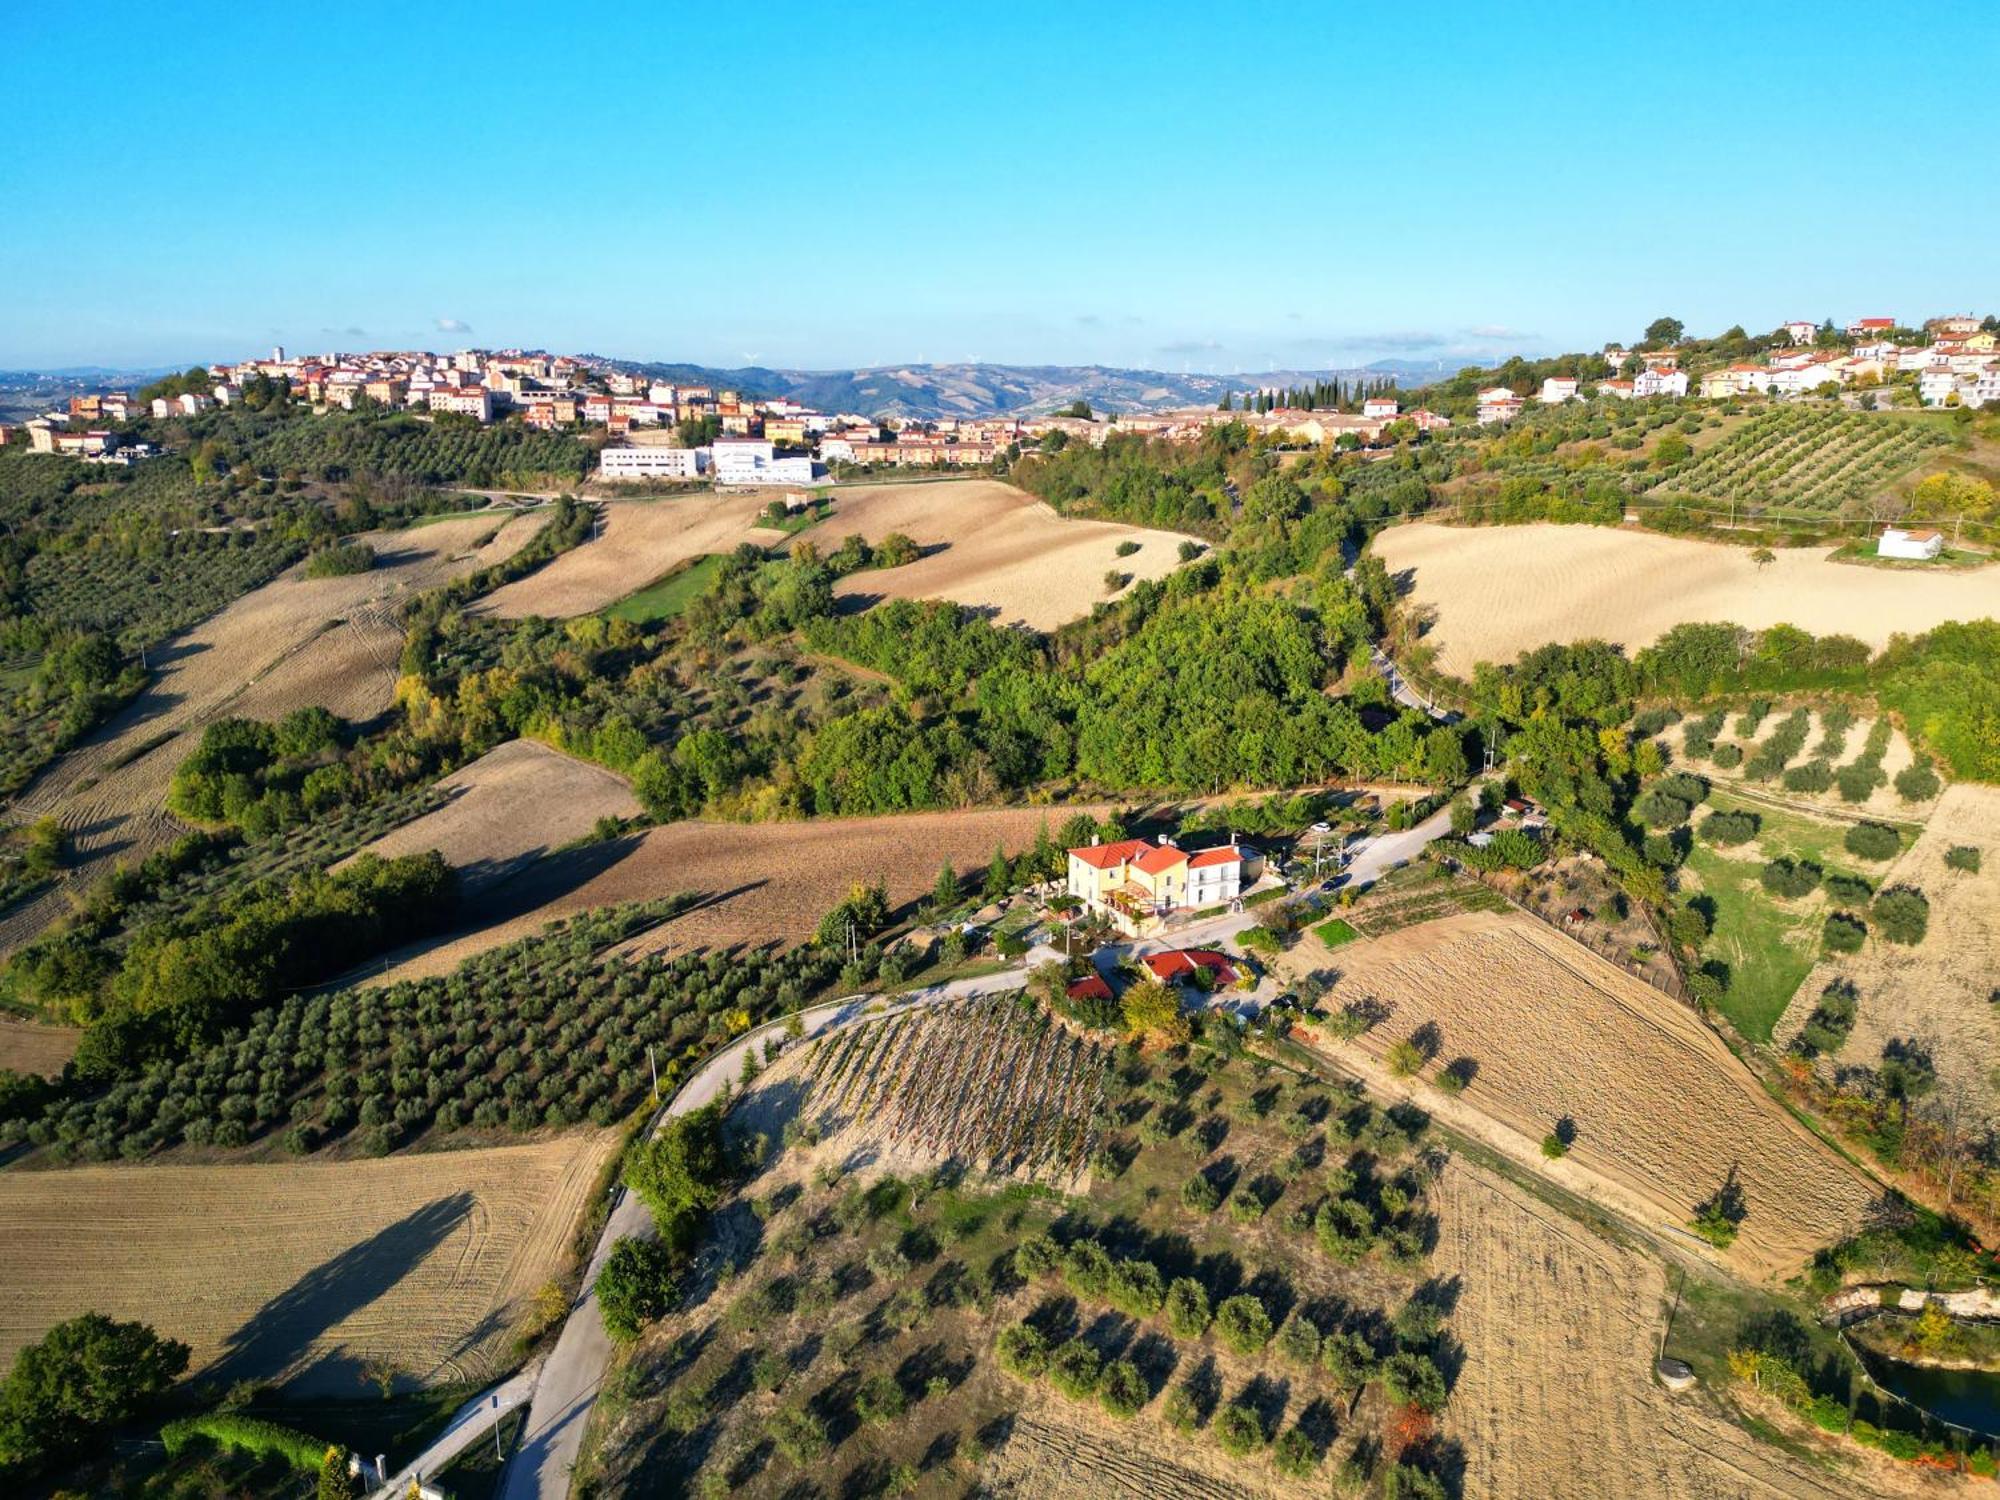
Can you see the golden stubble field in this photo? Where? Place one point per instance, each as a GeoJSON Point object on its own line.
{"type": "Point", "coordinates": [302, 1272]}
{"type": "Point", "coordinates": [295, 642]}
{"type": "Point", "coordinates": [31, 1047]}
{"type": "Point", "coordinates": [1000, 550]}
{"type": "Point", "coordinates": [515, 803]}
{"type": "Point", "coordinates": [1663, 1111]}
{"type": "Point", "coordinates": [988, 545]}
{"type": "Point", "coordinates": [761, 882]}
{"type": "Point", "coordinates": [635, 542]}
{"type": "Point", "coordinates": [1938, 993]}
{"type": "Point", "coordinates": [1502, 590]}
{"type": "Point", "coordinates": [1555, 1397]}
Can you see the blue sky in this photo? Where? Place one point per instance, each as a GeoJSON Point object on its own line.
{"type": "Point", "coordinates": [1214, 187]}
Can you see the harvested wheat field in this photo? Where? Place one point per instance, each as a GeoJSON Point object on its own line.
{"type": "Point", "coordinates": [1663, 1111]}
{"type": "Point", "coordinates": [295, 641]}
{"type": "Point", "coordinates": [302, 1273]}
{"type": "Point", "coordinates": [514, 804]}
{"type": "Point", "coordinates": [999, 550]}
{"type": "Point", "coordinates": [635, 542]}
{"type": "Point", "coordinates": [31, 1047]}
{"type": "Point", "coordinates": [762, 882]}
{"type": "Point", "coordinates": [1555, 1398]}
{"type": "Point", "coordinates": [1938, 993]}
{"type": "Point", "coordinates": [1502, 590]}
{"type": "Point", "coordinates": [1067, 1450]}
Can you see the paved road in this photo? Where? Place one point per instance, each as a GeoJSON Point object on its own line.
{"type": "Point", "coordinates": [468, 1425]}
{"type": "Point", "coordinates": [570, 1376]}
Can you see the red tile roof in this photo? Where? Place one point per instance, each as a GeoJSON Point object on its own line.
{"type": "Point", "coordinates": [1159, 858]}
{"type": "Point", "coordinates": [1177, 963]}
{"type": "Point", "coordinates": [1226, 855]}
{"type": "Point", "coordinates": [1110, 856]}
{"type": "Point", "coordinates": [1092, 988]}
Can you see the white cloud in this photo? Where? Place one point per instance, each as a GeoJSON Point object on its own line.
{"type": "Point", "coordinates": [453, 325]}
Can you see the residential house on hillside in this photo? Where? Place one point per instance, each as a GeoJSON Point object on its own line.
{"type": "Point", "coordinates": [1498, 404]}
{"type": "Point", "coordinates": [1660, 382]}
{"type": "Point", "coordinates": [1133, 882]}
{"type": "Point", "coordinates": [1557, 389]}
{"type": "Point", "coordinates": [1862, 328]}
{"type": "Point", "coordinates": [1381, 406]}
{"type": "Point", "coordinates": [1802, 330]}
{"type": "Point", "coordinates": [1204, 966]}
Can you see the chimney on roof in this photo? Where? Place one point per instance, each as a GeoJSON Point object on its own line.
{"type": "Point", "coordinates": [1163, 841]}
{"type": "Point", "coordinates": [1093, 841]}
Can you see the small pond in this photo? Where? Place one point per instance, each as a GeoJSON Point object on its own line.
{"type": "Point", "coordinates": [1962, 1398]}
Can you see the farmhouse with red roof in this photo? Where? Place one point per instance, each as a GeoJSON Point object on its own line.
{"type": "Point", "coordinates": [1133, 881]}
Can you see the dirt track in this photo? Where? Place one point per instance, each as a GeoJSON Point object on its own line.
{"type": "Point", "coordinates": [1663, 1111]}
{"type": "Point", "coordinates": [302, 1272]}
{"type": "Point", "coordinates": [1938, 993]}
{"type": "Point", "coordinates": [293, 642]}
{"type": "Point", "coordinates": [1555, 1399]}
{"type": "Point", "coordinates": [765, 882]}
{"type": "Point", "coordinates": [1502, 590]}
{"type": "Point", "coordinates": [514, 804]}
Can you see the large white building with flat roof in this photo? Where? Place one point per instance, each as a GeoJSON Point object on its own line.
{"type": "Point", "coordinates": [651, 461]}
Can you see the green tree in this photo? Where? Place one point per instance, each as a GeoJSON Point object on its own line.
{"type": "Point", "coordinates": [639, 1283]}
{"type": "Point", "coordinates": [337, 1480]}
{"type": "Point", "coordinates": [83, 1376]}
{"type": "Point", "coordinates": [679, 1173]}
{"type": "Point", "coordinates": [1664, 331]}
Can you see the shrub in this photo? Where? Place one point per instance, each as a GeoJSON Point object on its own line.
{"type": "Point", "coordinates": [1126, 548]}
{"type": "Point", "coordinates": [1243, 1324]}
{"type": "Point", "coordinates": [1036, 1257]}
{"type": "Point", "coordinates": [1087, 1270]}
{"type": "Point", "coordinates": [1902, 914]}
{"type": "Point", "coordinates": [1238, 1430]}
{"type": "Point", "coordinates": [1843, 933]}
{"type": "Point", "coordinates": [1403, 1482]}
{"type": "Point", "coordinates": [1298, 1341]}
{"type": "Point", "coordinates": [227, 1429]}
{"type": "Point", "coordinates": [1122, 1389]}
{"type": "Point", "coordinates": [1405, 1059]}
{"type": "Point", "coordinates": [879, 1399]}
{"type": "Point", "coordinates": [1963, 857]}
{"type": "Point", "coordinates": [1136, 1288]}
{"type": "Point", "coordinates": [1849, 890]}
{"type": "Point", "coordinates": [1295, 1455]}
{"type": "Point", "coordinates": [797, 1433]}
{"type": "Point", "coordinates": [1022, 1351]}
{"type": "Point", "coordinates": [1201, 1195]}
{"type": "Point", "coordinates": [1728, 757]}
{"type": "Point", "coordinates": [1917, 782]}
{"type": "Point", "coordinates": [1873, 841]}
{"type": "Point", "coordinates": [1658, 810]}
{"type": "Point", "coordinates": [1413, 1380]}
{"type": "Point", "coordinates": [1813, 776]}
{"type": "Point", "coordinates": [1790, 879]}
{"type": "Point", "coordinates": [337, 562]}
{"type": "Point", "coordinates": [1187, 1308]}
{"type": "Point", "coordinates": [1182, 1409]}
{"type": "Point", "coordinates": [1074, 1369]}
{"type": "Point", "coordinates": [1827, 1027]}
{"type": "Point", "coordinates": [1554, 1146]}
{"type": "Point", "coordinates": [1728, 828]}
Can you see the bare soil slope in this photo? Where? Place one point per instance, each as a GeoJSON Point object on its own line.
{"type": "Point", "coordinates": [515, 803]}
{"type": "Point", "coordinates": [635, 542]}
{"type": "Point", "coordinates": [301, 1273]}
{"type": "Point", "coordinates": [296, 641]}
{"type": "Point", "coordinates": [1938, 993]}
{"type": "Point", "coordinates": [1502, 590]}
{"type": "Point", "coordinates": [996, 548]}
{"type": "Point", "coordinates": [762, 882]}
{"type": "Point", "coordinates": [1662, 1109]}
{"type": "Point", "coordinates": [1556, 1398]}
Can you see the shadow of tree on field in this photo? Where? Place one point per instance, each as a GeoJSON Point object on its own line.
{"type": "Point", "coordinates": [275, 1338]}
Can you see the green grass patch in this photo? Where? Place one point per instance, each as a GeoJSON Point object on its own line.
{"type": "Point", "coordinates": [1769, 946]}
{"type": "Point", "coordinates": [1262, 896]}
{"type": "Point", "coordinates": [665, 598]}
{"type": "Point", "coordinates": [1335, 932]}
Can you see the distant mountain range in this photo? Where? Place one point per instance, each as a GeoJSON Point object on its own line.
{"type": "Point", "coordinates": [981, 390]}
{"type": "Point", "coordinates": [922, 392]}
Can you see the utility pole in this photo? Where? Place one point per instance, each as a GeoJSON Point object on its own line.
{"type": "Point", "coordinates": [656, 1072]}
{"type": "Point", "coordinates": [498, 1457]}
